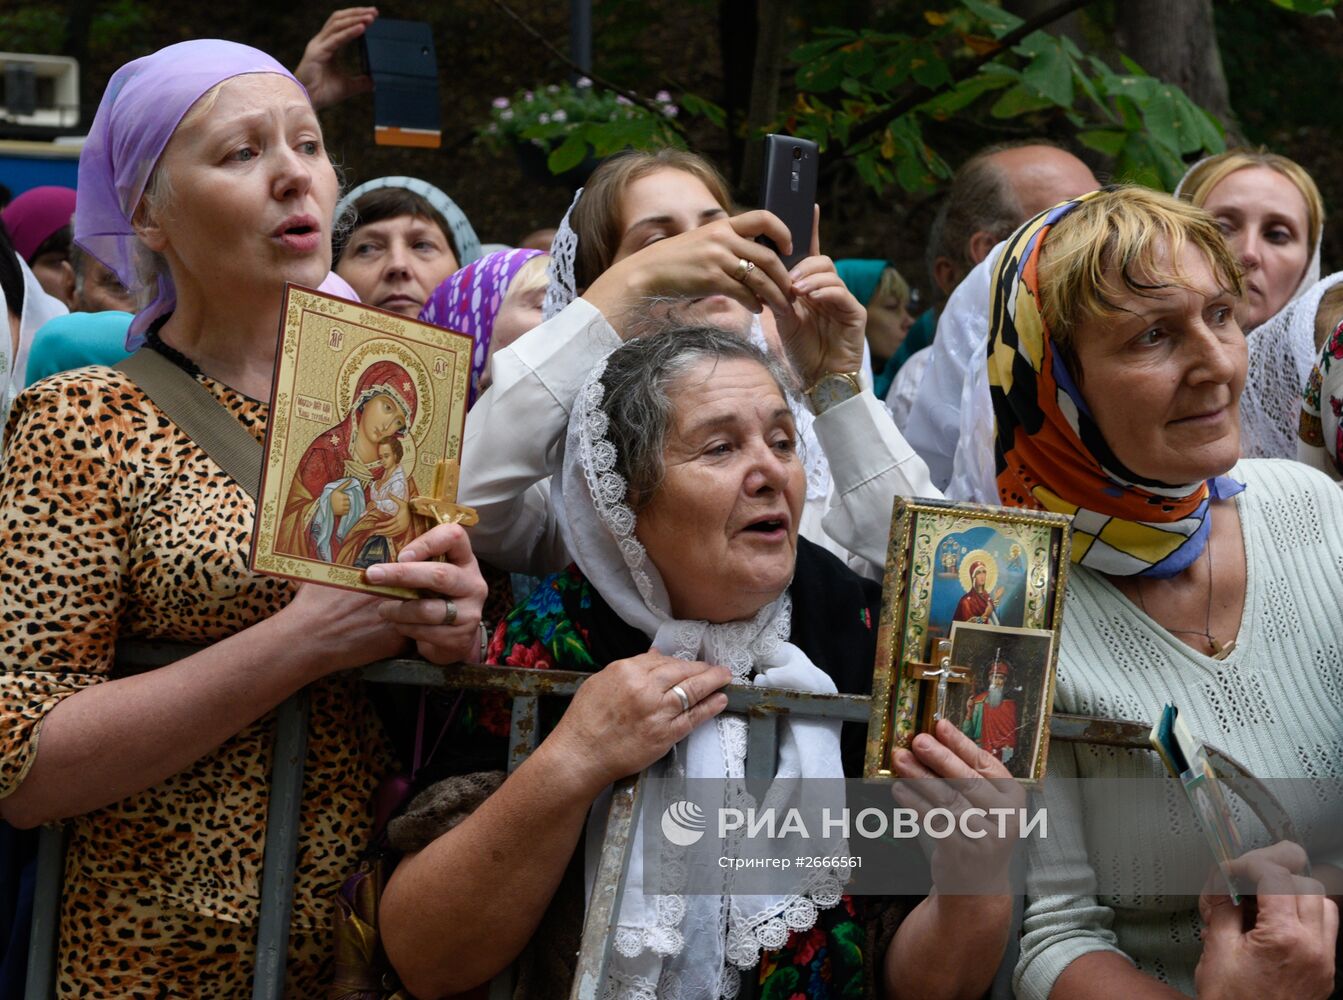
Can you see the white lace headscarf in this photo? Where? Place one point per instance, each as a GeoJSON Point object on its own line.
{"type": "Point", "coordinates": [690, 946]}
{"type": "Point", "coordinates": [1282, 353]}
{"type": "Point", "coordinates": [562, 289]}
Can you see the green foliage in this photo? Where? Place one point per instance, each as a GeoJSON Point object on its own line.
{"type": "Point", "coordinates": [574, 121]}
{"type": "Point", "coordinates": [118, 27]}
{"type": "Point", "coordinates": [850, 83]}
{"type": "Point", "coordinates": [1308, 6]}
{"type": "Point", "coordinates": [33, 29]}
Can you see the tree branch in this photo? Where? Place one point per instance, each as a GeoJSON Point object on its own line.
{"type": "Point", "coordinates": [600, 81]}
{"type": "Point", "coordinates": [872, 126]}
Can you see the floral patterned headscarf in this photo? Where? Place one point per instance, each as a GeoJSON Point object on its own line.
{"type": "Point", "coordinates": [1050, 455]}
{"type": "Point", "coordinates": [1321, 432]}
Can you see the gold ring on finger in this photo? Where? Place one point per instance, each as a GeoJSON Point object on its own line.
{"type": "Point", "coordinates": [744, 267]}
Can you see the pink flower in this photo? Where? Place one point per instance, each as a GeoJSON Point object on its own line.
{"type": "Point", "coordinates": [583, 83]}
{"type": "Point", "coordinates": [500, 102]}
{"type": "Point", "coordinates": [622, 99]}
{"type": "Point", "coordinates": [663, 97]}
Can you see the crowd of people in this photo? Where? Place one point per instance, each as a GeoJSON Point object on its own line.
{"type": "Point", "coordinates": [683, 456]}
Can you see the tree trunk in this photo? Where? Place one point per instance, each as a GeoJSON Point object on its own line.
{"type": "Point", "coordinates": [737, 33]}
{"type": "Point", "coordinates": [1176, 42]}
{"type": "Point", "coordinates": [764, 104]}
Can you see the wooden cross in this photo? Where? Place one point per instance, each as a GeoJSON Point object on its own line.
{"type": "Point", "coordinates": [945, 674]}
{"type": "Point", "coordinates": [441, 505]}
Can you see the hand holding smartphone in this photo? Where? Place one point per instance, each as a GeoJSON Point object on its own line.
{"type": "Point", "coordinates": [788, 189]}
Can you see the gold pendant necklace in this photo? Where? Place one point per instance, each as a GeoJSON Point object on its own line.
{"type": "Point", "coordinates": [1216, 649]}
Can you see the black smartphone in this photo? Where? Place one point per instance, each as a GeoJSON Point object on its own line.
{"type": "Point", "coordinates": [400, 57]}
{"type": "Point", "coordinates": [788, 189]}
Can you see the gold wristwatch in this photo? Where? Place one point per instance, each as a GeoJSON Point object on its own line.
{"type": "Point", "coordinates": [831, 389]}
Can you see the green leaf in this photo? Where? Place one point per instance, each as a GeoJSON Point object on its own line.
{"type": "Point", "coordinates": [1050, 74]}
{"type": "Point", "coordinates": [568, 154]}
{"type": "Point", "coordinates": [1103, 140]}
{"type": "Point", "coordinates": [814, 50]}
{"type": "Point", "coordinates": [1000, 22]}
{"type": "Point", "coordinates": [851, 86]}
{"type": "Point", "coordinates": [928, 68]}
{"type": "Point", "coordinates": [1018, 101]}
{"type": "Point", "coordinates": [1307, 6]}
{"type": "Point", "coordinates": [696, 105]}
{"type": "Point", "coordinates": [946, 104]}
{"type": "Point", "coordinates": [910, 172]}
{"type": "Point", "coordinates": [860, 59]}
{"type": "Point", "coordinates": [821, 75]}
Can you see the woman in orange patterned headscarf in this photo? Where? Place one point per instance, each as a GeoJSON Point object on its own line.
{"type": "Point", "coordinates": [1116, 367]}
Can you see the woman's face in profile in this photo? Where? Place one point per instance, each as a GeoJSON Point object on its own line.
{"type": "Point", "coordinates": [1265, 220]}
{"type": "Point", "coordinates": [252, 192]}
{"type": "Point", "coordinates": [722, 527]}
{"type": "Point", "coordinates": [1163, 380]}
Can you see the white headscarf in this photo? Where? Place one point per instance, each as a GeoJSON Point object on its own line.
{"type": "Point", "coordinates": [38, 307]}
{"type": "Point", "coordinates": [1282, 353]}
{"type": "Point", "coordinates": [691, 946]}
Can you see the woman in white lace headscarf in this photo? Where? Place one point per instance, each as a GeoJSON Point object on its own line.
{"type": "Point", "coordinates": [681, 496]}
{"type": "Point", "coordinates": [1272, 215]}
{"type": "Point", "coordinates": [652, 240]}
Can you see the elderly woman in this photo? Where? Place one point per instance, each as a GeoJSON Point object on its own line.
{"type": "Point", "coordinates": [682, 491]}
{"type": "Point", "coordinates": [1271, 213]}
{"type": "Point", "coordinates": [205, 186]}
{"type": "Point", "coordinates": [404, 237]}
{"type": "Point", "coordinates": [651, 240]}
{"type": "Point", "coordinates": [1116, 368]}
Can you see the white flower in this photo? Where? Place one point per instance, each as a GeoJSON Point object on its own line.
{"type": "Point", "coordinates": [622, 99]}
{"type": "Point", "coordinates": [506, 115]}
{"type": "Point", "coordinates": [559, 115]}
{"type": "Point", "coordinates": [543, 118]}
{"type": "Point", "coordinates": [552, 89]}
{"type": "Point", "coordinates": [500, 102]}
{"type": "Point", "coordinates": [528, 96]}
{"type": "Point", "coordinates": [584, 83]}
{"type": "Point", "coordinates": [663, 97]}
{"type": "Point", "coordinates": [670, 110]}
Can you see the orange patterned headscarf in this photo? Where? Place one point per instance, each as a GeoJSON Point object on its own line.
{"type": "Point", "coordinates": [1050, 455]}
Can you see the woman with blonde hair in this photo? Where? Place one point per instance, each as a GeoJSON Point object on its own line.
{"type": "Point", "coordinates": [1271, 213]}
{"type": "Point", "coordinates": [651, 240]}
{"type": "Point", "coordinates": [204, 186]}
{"type": "Point", "coordinates": [1116, 367]}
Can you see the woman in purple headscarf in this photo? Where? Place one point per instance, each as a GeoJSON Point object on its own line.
{"type": "Point", "coordinates": [204, 186]}
{"type": "Point", "coordinates": [494, 301]}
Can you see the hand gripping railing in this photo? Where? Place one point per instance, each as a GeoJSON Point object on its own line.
{"type": "Point", "coordinates": [762, 706]}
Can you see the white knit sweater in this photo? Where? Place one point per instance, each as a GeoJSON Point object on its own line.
{"type": "Point", "coordinates": [1275, 704]}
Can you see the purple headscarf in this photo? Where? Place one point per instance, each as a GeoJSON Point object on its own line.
{"type": "Point", "coordinates": [141, 108]}
{"type": "Point", "coordinates": [469, 300]}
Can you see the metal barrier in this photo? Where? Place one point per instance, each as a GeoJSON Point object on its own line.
{"type": "Point", "coordinates": [763, 708]}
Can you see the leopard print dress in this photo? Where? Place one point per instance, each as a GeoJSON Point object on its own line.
{"type": "Point", "coordinates": [114, 524]}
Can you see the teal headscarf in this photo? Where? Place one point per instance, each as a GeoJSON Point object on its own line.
{"type": "Point", "coordinates": [861, 275]}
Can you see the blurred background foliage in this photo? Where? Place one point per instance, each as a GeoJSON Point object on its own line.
{"type": "Point", "coordinates": [898, 92]}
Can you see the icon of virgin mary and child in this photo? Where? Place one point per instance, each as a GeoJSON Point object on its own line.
{"type": "Point", "coordinates": [349, 499]}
